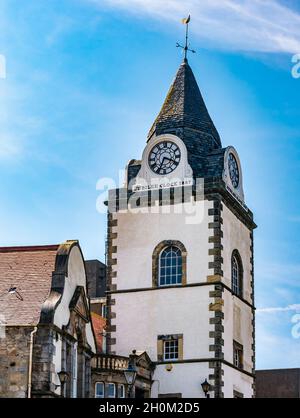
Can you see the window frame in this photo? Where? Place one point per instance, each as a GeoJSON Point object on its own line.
{"type": "Point", "coordinates": [178, 256]}
{"type": "Point", "coordinates": [121, 386]}
{"type": "Point", "coordinates": [175, 350]}
{"type": "Point", "coordinates": [238, 355]}
{"type": "Point", "coordinates": [237, 274]}
{"type": "Point", "coordinates": [156, 256]}
{"type": "Point", "coordinates": [161, 340]}
{"type": "Point", "coordinates": [114, 386]}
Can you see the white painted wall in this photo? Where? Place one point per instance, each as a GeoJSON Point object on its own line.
{"type": "Point", "coordinates": [141, 317]}
{"type": "Point", "coordinates": [234, 380]}
{"type": "Point", "coordinates": [184, 378]}
{"type": "Point", "coordinates": [238, 327]}
{"type": "Point", "coordinates": [140, 233]}
{"type": "Point", "coordinates": [236, 236]}
{"type": "Point", "coordinates": [237, 315]}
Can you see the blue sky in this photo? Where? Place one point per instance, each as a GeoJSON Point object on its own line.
{"type": "Point", "coordinates": [85, 80]}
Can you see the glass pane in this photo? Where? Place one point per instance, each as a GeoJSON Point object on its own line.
{"type": "Point", "coordinates": [111, 390]}
{"type": "Point", "coordinates": [170, 266]}
{"type": "Point", "coordinates": [121, 391]}
{"type": "Point", "coordinates": [99, 390]}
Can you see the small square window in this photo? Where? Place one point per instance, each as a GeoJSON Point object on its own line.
{"type": "Point", "coordinates": [111, 390]}
{"type": "Point", "coordinates": [171, 350]}
{"type": "Point", "coordinates": [99, 390]}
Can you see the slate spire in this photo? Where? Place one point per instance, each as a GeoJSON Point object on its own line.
{"type": "Point", "coordinates": [184, 107]}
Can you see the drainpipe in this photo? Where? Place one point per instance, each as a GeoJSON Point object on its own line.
{"type": "Point", "coordinates": [30, 362]}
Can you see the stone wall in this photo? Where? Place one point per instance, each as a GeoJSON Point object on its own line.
{"type": "Point", "coordinates": [43, 380]}
{"type": "Point", "coordinates": [280, 383]}
{"type": "Point", "coordinates": [14, 360]}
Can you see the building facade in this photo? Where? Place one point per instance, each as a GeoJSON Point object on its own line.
{"type": "Point", "coordinates": [47, 340]}
{"type": "Point", "coordinates": [180, 255]}
{"type": "Point", "coordinates": [52, 340]}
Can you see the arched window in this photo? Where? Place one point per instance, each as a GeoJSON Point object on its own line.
{"type": "Point", "coordinates": [236, 274]}
{"type": "Point", "coordinates": [170, 266]}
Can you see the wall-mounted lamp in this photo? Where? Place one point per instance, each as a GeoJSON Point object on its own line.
{"type": "Point", "coordinates": [206, 387]}
{"type": "Point", "coordinates": [63, 377]}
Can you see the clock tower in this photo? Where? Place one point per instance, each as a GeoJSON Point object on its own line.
{"type": "Point", "coordinates": [180, 255]}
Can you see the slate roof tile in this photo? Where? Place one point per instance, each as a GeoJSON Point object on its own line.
{"type": "Point", "coordinates": [29, 270]}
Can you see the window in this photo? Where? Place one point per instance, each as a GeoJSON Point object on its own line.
{"type": "Point", "coordinates": [169, 347]}
{"type": "Point", "coordinates": [238, 354]}
{"type": "Point", "coordinates": [121, 391]}
{"type": "Point", "coordinates": [171, 350]}
{"type": "Point", "coordinates": [111, 390]}
{"type": "Point", "coordinates": [74, 371]}
{"type": "Point", "coordinates": [99, 390]}
{"type": "Point", "coordinates": [103, 310]}
{"type": "Point", "coordinates": [169, 261]}
{"type": "Point", "coordinates": [237, 395]}
{"type": "Point", "coordinates": [236, 274]}
{"type": "Point", "coordinates": [170, 266]}
{"type": "Point", "coordinates": [71, 368]}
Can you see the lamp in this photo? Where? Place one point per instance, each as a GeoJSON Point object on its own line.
{"type": "Point", "coordinates": [130, 373]}
{"type": "Point", "coordinates": [206, 387]}
{"type": "Point", "coordinates": [63, 376]}
{"type": "Point", "coordinates": [130, 376]}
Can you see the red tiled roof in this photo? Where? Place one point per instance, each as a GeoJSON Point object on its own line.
{"type": "Point", "coordinates": [29, 270]}
{"type": "Point", "coordinates": [99, 324]}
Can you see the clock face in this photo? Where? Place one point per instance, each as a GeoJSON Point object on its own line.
{"type": "Point", "coordinates": [164, 158]}
{"type": "Point", "coordinates": [233, 170]}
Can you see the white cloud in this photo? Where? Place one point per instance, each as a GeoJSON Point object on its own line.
{"type": "Point", "coordinates": [277, 332]}
{"type": "Point", "coordinates": [244, 25]}
{"type": "Point", "coordinates": [289, 308]}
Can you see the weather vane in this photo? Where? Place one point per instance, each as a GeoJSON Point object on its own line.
{"type": "Point", "coordinates": [186, 48]}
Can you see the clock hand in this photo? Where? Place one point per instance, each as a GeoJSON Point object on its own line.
{"type": "Point", "coordinates": [162, 162]}
{"type": "Point", "coordinates": [167, 159]}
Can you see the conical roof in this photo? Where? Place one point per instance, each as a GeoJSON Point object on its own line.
{"type": "Point", "coordinates": [184, 107]}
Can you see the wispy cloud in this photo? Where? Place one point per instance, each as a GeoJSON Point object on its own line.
{"type": "Point", "coordinates": [244, 25]}
{"type": "Point", "coordinates": [289, 308]}
{"type": "Point", "coordinates": [62, 25]}
{"type": "Point", "coordinates": [282, 274]}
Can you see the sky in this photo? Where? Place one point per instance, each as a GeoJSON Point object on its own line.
{"type": "Point", "coordinates": [83, 82]}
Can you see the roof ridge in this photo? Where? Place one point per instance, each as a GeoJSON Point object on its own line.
{"type": "Point", "coordinates": [29, 248]}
